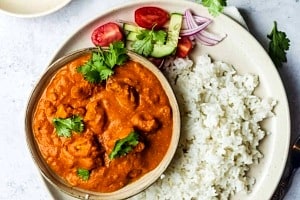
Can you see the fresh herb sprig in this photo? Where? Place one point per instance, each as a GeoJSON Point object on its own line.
{"type": "Point", "coordinates": [64, 127]}
{"type": "Point", "coordinates": [84, 174]}
{"type": "Point", "coordinates": [146, 39]}
{"type": "Point", "coordinates": [125, 145]}
{"type": "Point", "coordinates": [215, 7]}
{"type": "Point", "coordinates": [278, 46]}
{"type": "Point", "coordinates": [102, 62]}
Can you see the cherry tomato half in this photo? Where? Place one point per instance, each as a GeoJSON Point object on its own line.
{"type": "Point", "coordinates": [106, 34]}
{"type": "Point", "coordinates": [147, 17]}
{"type": "Point", "coordinates": [184, 47]}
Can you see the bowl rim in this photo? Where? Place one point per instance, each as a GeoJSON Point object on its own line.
{"type": "Point", "coordinates": [129, 190]}
{"type": "Point", "coordinates": [16, 12]}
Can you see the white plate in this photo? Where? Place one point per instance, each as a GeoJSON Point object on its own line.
{"type": "Point", "coordinates": [31, 8]}
{"type": "Point", "coordinates": [246, 54]}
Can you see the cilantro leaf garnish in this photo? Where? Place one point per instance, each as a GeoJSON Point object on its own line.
{"type": "Point", "coordinates": [159, 36]}
{"type": "Point", "coordinates": [101, 64]}
{"type": "Point", "coordinates": [125, 145]}
{"type": "Point", "coordinates": [84, 174]}
{"type": "Point", "coordinates": [215, 7]}
{"type": "Point", "coordinates": [64, 127]}
{"type": "Point", "coordinates": [116, 54]}
{"type": "Point", "coordinates": [146, 40]}
{"type": "Point", "coordinates": [278, 46]}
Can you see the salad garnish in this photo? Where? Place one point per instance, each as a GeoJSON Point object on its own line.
{"type": "Point", "coordinates": [151, 17]}
{"type": "Point", "coordinates": [196, 26]}
{"type": "Point", "coordinates": [155, 34]}
{"type": "Point", "coordinates": [106, 34]}
{"type": "Point", "coordinates": [146, 40]}
{"type": "Point", "coordinates": [184, 47]}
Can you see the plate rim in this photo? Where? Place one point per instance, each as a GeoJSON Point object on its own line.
{"type": "Point", "coordinates": [253, 40]}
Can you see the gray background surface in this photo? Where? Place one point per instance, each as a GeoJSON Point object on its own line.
{"type": "Point", "coordinates": [27, 45]}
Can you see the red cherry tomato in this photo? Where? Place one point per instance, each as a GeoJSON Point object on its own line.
{"type": "Point", "coordinates": [184, 47]}
{"type": "Point", "coordinates": [106, 34]}
{"type": "Point", "coordinates": [147, 17]}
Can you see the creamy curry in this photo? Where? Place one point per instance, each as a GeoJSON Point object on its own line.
{"type": "Point", "coordinates": [130, 100]}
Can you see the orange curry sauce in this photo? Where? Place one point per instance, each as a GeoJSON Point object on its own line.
{"type": "Point", "coordinates": [131, 99]}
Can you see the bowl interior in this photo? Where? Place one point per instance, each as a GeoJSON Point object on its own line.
{"type": "Point", "coordinates": [130, 189]}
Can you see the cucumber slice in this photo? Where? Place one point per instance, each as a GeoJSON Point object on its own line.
{"type": "Point", "coordinates": [128, 45]}
{"type": "Point", "coordinates": [161, 50]}
{"type": "Point", "coordinates": [131, 27]}
{"type": "Point", "coordinates": [131, 36]}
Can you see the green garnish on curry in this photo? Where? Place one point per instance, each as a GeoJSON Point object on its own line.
{"type": "Point", "coordinates": [84, 174]}
{"type": "Point", "coordinates": [125, 145]}
{"type": "Point", "coordinates": [64, 127]}
{"type": "Point", "coordinates": [100, 66]}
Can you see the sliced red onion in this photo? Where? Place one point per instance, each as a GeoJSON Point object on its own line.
{"type": "Point", "coordinates": [198, 19]}
{"type": "Point", "coordinates": [192, 31]}
{"type": "Point", "coordinates": [161, 64]}
{"type": "Point", "coordinates": [202, 35]}
{"type": "Point", "coordinates": [213, 36]}
{"type": "Point", "coordinates": [158, 62]}
{"type": "Point", "coordinates": [205, 41]}
{"type": "Point", "coordinates": [192, 38]}
{"type": "Point", "coordinates": [190, 20]}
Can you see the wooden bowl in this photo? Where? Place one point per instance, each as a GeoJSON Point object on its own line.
{"type": "Point", "coordinates": [128, 190]}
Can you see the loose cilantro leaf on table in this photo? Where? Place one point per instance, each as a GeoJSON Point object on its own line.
{"type": "Point", "coordinates": [278, 46]}
{"type": "Point", "coordinates": [84, 174]}
{"type": "Point", "coordinates": [146, 40]}
{"type": "Point", "coordinates": [125, 145]}
{"type": "Point", "coordinates": [215, 7]}
{"type": "Point", "coordinates": [101, 64]}
{"type": "Point", "coordinates": [64, 127]}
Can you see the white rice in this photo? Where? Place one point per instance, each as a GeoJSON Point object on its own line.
{"type": "Point", "coordinates": [220, 132]}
